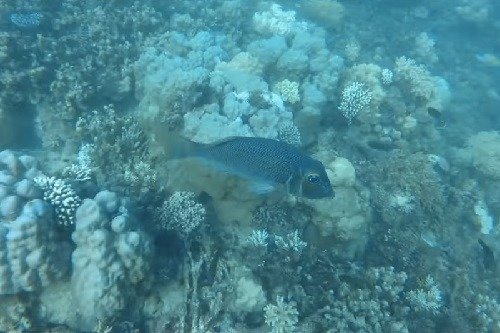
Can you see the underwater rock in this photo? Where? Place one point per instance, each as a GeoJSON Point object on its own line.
{"type": "Point", "coordinates": [26, 189]}
{"type": "Point", "coordinates": [345, 217]}
{"type": "Point", "coordinates": [110, 261]}
{"type": "Point", "coordinates": [32, 256]}
{"type": "Point", "coordinates": [342, 172]}
{"type": "Point", "coordinates": [9, 207]}
{"type": "Point", "coordinates": [484, 148]}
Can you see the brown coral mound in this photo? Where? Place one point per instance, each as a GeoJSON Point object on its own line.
{"type": "Point", "coordinates": [328, 13]}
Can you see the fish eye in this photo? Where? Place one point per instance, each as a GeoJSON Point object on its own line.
{"type": "Point", "coordinates": [313, 178]}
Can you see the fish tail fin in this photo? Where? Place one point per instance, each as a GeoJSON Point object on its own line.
{"type": "Point", "coordinates": [174, 146]}
{"type": "Point", "coordinates": [183, 148]}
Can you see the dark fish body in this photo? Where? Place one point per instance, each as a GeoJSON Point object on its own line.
{"type": "Point", "coordinates": [266, 163]}
{"type": "Point", "coordinates": [437, 115]}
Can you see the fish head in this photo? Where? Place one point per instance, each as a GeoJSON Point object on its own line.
{"type": "Point", "coordinates": [315, 183]}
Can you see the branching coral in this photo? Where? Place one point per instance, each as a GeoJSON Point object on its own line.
{"type": "Point", "coordinates": [181, 213]}
{"type": "Point", "coordinates": [428, 298]}
{"type": "Point", "coordinates": [277, 21]}
{"type": "Point", "coordinates": [91, 57]}
{"type": "Point", "coordinates": [119, 150]}
{"type": "Point", "coordinates": [61, 196]}
{"type": "Point", "coordinates": [381, 301]}
{"type": "Point", "coordinates": [289, 91]}
{"type": "Point", "coordinates": [426, 89]}
{"type": "Point", "coordinates": [282, 317]}
{"type": "Point", "coordinates": [355, 98]}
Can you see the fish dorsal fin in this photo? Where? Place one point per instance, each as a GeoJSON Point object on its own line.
{"type": "Point", "coordinates": [223, 141]}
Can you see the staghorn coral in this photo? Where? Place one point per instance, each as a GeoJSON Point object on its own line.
{"type": "Point", "coordinates": [258, 238]}
{"type": "Point", "coordinates": [290, 243]}
{"type": "Point", "coordinates": [282, 317]}
{"type": "Point", "coordinates": [428, 298]}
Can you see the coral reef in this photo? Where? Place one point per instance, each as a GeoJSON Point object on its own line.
{"type": "Point", "coordinates": [117, 148]}
{"type": "Point", "coordinates": [181, 213]}
{"type": "Point", "coordinates": [276, 21]}
{"type": "Point", "coordinates": [31, 257]}
{"type": "Point", "coordinates": [111, 259]}
{"type": "Point", "coordinates": [426, 89]}
{"type": "Point", "coordinates": [61, 196]}
{"type": "Point", "coordinates": [282, 317]}
{"type": "Point", "coordinates": [107, 230]}
{"type": "Point", "coordinates": [484, 153]}
{"type": "Point", "coordinates": [345, 217]}
{"type": "Point", "coordinates": [409, 188]}
{"type": "Point", "coordinates": [327, 13]}
{"type": "Point", "coordinates": [354, 99]}
{"type": "Point", "coordinates": [288, 90]}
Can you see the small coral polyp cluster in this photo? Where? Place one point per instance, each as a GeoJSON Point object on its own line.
{"type": "Point", "coordinates": [103, 228]}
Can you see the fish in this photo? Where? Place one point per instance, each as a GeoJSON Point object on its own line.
{"type": "Point", "coordinates": [488, 59]}
{"type": "Point", "coordinates": [267, 164]}
{"type": "Point", "coordinates": [25, 20]}
{"type": "Point", "coordinates": [437, 115]}
{"type": "Point", "coordinates": [488, 255]}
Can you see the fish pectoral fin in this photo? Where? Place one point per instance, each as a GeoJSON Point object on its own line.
{"type": "Point", "coordinates": [261, 187]}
